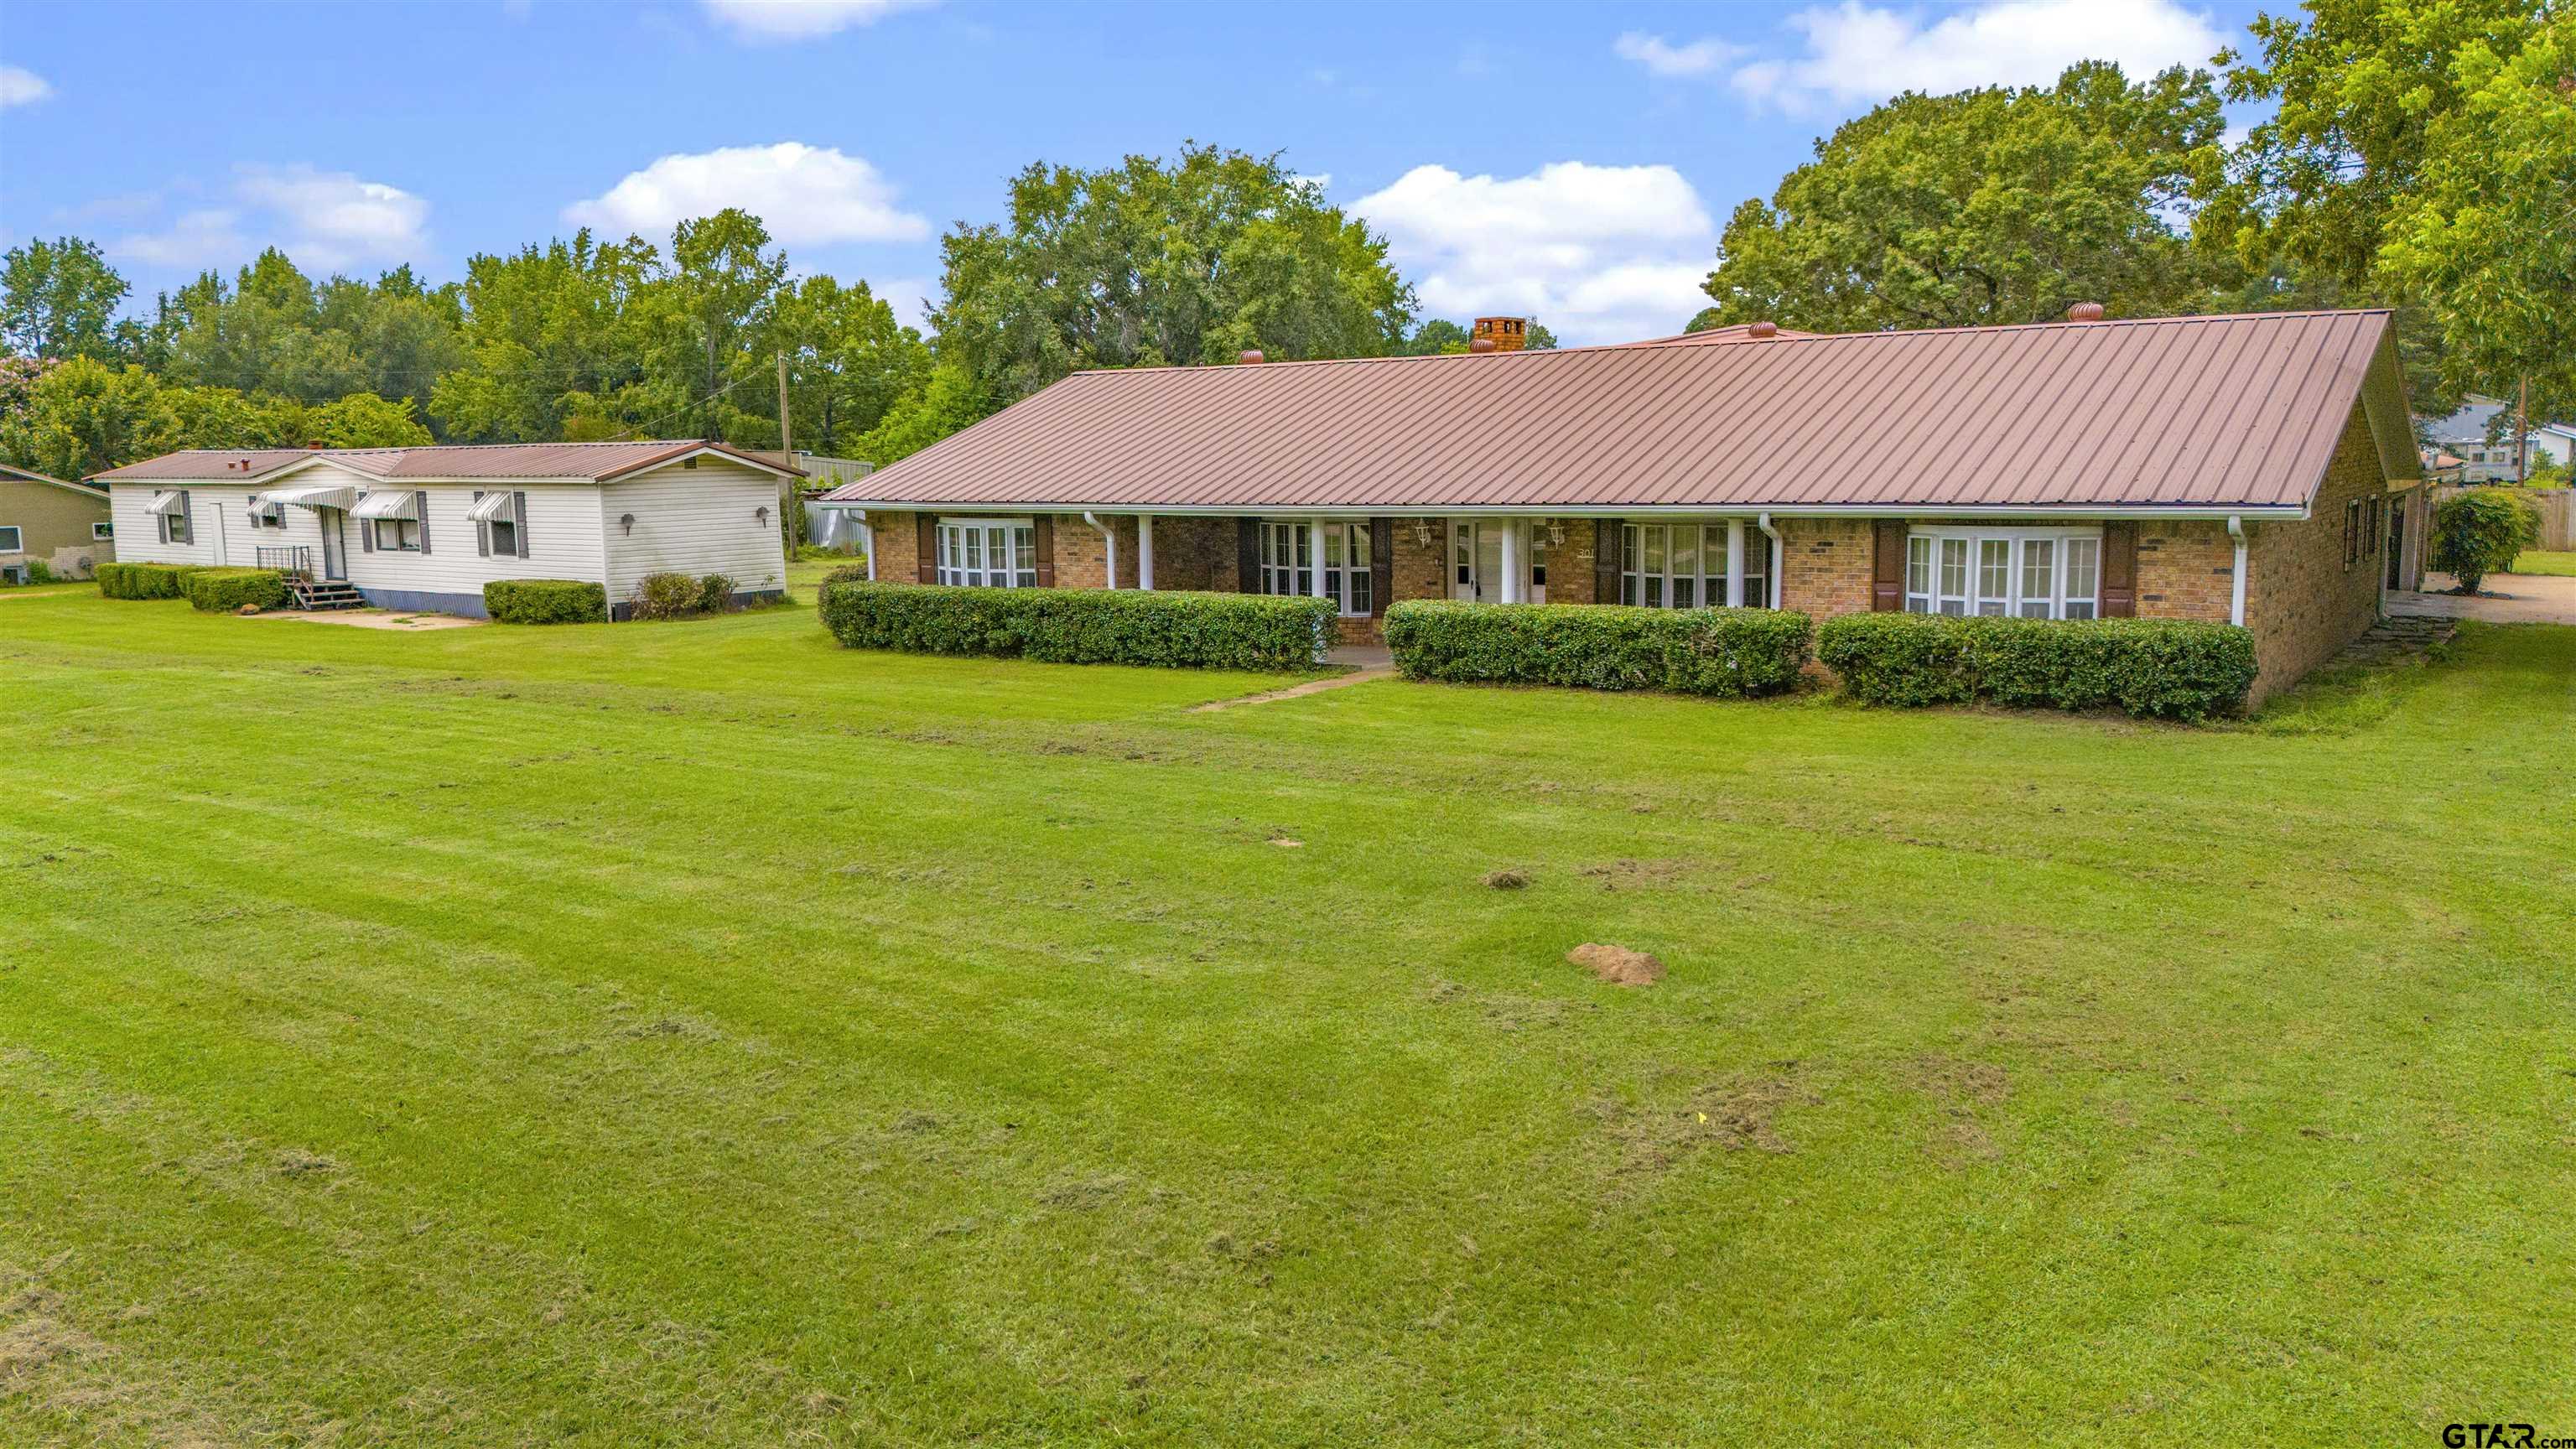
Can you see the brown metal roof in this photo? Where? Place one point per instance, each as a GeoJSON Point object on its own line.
{"type": "Point", "coordinates": [2238, 412]}
{"type": "Point", "coordinates": [601, 461]}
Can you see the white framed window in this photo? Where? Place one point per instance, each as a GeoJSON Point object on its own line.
{"type": "Point", "coordinates": [11, 540]}
{"type": "Point", "coordinates": [101, 532]}
{"type": "Point", "coordinates": [1683, 566]}
{"type": "Point", "coordinates": [179, 529]}
{"type": "Point", "coordinates": [396, 535]}
{"type": "Point", "coordinates": [265, 515]}
{"type": "Point", "coordinates": [1288, 562]}
{"type": "Point", "coordinates": [983, 553]}
{"type": "Point", "coordinates": [2026, 573]}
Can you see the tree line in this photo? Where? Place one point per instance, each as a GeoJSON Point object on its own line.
{"type": "Point", "coordinates": [2421, 154]}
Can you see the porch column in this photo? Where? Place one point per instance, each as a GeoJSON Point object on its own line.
{"type": "Point", "coordinates": [1735, 563]}
{"type": "Point", "coordinates": [1315, 554]}
{"type": "Point", "coordinates": [1145, 551]}
{"type": "Point", "coordinates": [1512, 591]}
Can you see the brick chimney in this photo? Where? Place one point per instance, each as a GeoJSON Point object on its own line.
{"type": "Point", "coordinates": [1506, 334]}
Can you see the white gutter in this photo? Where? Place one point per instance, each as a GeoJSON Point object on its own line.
{"type": "Point", "coordinates": [2236, 575]}
{"type": "Point", "coordinates": [1111, 540]}
{"type": "Point", "coordinates": [1763, 521]}
{"type": "Point", "coordinates": [1657, 510]}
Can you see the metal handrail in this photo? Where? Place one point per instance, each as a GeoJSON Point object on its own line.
{"type": "Point", "coordinates": [294, 560]}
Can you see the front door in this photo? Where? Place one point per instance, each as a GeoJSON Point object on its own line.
{"type": "Point", "coordinates": [335, 547]}
{"type": "Point", "coordinates": [2397, 545]}
{"type": "Point", "coordinates": [1476, 561]}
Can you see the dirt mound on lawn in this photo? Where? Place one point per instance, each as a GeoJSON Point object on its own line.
{"type": "Point", "coordinates": [1617, 964]}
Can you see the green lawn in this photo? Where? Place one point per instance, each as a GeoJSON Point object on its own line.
{"type": "Point", "coordinates": [699, 1034]}
{"type": "Point", "coordinates": [2540, 561]}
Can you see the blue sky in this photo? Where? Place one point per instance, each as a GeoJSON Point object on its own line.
{"type": "Point", "coordinates": [1574, 161]}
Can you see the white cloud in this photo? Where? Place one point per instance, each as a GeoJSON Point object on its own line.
{"type": "Point", "coordinates": [22, 87]}
{"type": "Point", "coordinates": [1859, 53]}
{"type": "Point", "coordinates": [773, 20]}
{"type": "Point", "coordinates": [325, 220]}
{"type": "Point", "coordinates": [1596, 253]}
{"type": "Point", "coordinates": [807, 195]}
{"type": "Point", "coordinates": [1661, 57]}
{"type": "Point", "coordinates": [201, 238]}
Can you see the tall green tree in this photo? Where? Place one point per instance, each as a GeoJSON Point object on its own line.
{"type": "Point", "coordinates": [84, 416]}
{"type": "Point", "coordinates": [1152, 262]}
{"type": "Point", "coordinates": [722, 294]}
{"type": "Point", "coordinates": [1987, 206]}
{"type": "Point", "coordinates": [948, 400]}
{"type": "Point", "coordinates": [2486, 236]}
{"type": "Point", "coordinates": [848, 360]}
{"type": "Point", "coordinates": [59, 298]}
{"type": "Point", "coordinates": [364, 420]}
{"type": "Point", "coordinates": [2358, 88]}
{"type": "Point", "coordinates": [555, 342]}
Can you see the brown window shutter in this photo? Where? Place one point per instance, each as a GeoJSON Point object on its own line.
{"type": "Point", "coordinates": [2119, 571]}
{"type": "Point", "coordinates": [1381, 563]}
{"type": "Point", "coordinates": [926, 567]}
{"type": "Point", "coordinates": [1247, 556]}
{"type": "Point", "coordinates": [1609, 547]}
{"type": "Point", "coordinates": [1042, 542]}
{"type": "Point", "coordinates": [1887, 567]}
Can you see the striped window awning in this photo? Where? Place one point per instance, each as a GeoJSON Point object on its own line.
{"type": "Point", "coordinates": [385, 505]}
{"type": "Point", "coordinates": [165, 502]}
{"type": "Point", "coordinates": [324, 497]}
{"type": "Point", "coordinates": [492, 508]}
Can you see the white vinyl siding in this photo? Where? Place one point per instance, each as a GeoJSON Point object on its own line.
{"type": "Point", "coordinates": [716, 518]}
{"type": "Point", "coordinates": [563, 541]}
{"type": "Point", "coordinates": [138, 535]}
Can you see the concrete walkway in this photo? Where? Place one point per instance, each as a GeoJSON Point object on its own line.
{"type": "Point", "coordinates": [373, 619]}
{"type": "Point", "coordinates": [1366, 661]}
{"type": "Point", "coordinates": [2517, 599]}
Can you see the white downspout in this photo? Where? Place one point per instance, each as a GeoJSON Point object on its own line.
{"type": "Point", "coordinates": [1145, 552]}
{"type": "Point", "coordinates": [1511, 561]}
{"type": "Point", "coordinates": [2236, 575]}
{"type": "Point", "coordinates": [1109, 542]}
{"type": "Point", "coordinates": [1763, 522]}
{"type": "Point", "coordinates": [868, 541]}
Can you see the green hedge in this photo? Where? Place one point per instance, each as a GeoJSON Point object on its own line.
{"type": "Point", "coordinates": [1083, 626]}
{"type": "Point", "coordinates": [2153, 668]}
{"type": "Point", "coordinates": [545, 601]}
{"type": "Point", "coordinates": [1731, 653]}
{"type": "Point", "coordinates": [142, 580]}
{"type": "Point", "coordinates": [223, 591]}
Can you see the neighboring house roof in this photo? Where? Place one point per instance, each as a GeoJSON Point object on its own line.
{"type": "Point", "coordinates": [2470, 424]}
{"type": "Point", "coordinates": [2215, 414]}
{"type": "Point", "coordinates": [599, 462]}
{"type": "Point", "coordinates": [30, 475]}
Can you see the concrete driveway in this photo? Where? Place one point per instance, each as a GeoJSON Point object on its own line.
{"type": "Point", "coordinates": [2520, 599]}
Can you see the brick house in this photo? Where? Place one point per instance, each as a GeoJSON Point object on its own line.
{"type": "Point", "coordinates": [2257, 469]}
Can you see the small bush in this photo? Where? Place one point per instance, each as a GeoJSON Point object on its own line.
{"type": "Point", "coordinates": [665, 596]}
{"type": "Point", "coordinates": [545, 601]}
{"type": "Point", "coordinates": [715, 593]}
{"type": "Point", "coordinates": [1082, 626]}
{"type": "Point", "coordinates": [1729, 653]}
{"type": "Point", "coordinates": [223, 591]}
{"type": "Point", "coordinates": [142, 580]}
{"type": "Point", "coordinates": [2152, 668]}
{"type": "Point", "coordinates": [2477, 533]}
{"type": "Point", "coordinates": [40, 572]}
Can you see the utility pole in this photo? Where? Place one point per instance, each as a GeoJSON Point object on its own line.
{"type": "Point", "coordinates": [787, 495]}
{"type": "Point", "coordinates": [2522, 431]}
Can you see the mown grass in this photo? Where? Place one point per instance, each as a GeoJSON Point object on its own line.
{"type": "Point", "coordinates": [2541, 561]}
{"type": "Point", "coordinates": [695, 1033]}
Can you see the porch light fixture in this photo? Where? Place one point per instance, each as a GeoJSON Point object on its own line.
{"type": "Point", "coordinates": [761, 514]}
{"type": "Point", "coordinates": [627, 523]}
{"type": "Point", "coordinates": [1555, 531]}
{"type": "Point", "coordinates": [1422, 531]}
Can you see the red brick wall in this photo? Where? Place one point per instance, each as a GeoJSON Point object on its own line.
{"type": "Point", "coordinates": [1825, 565]}
{"type": "Point", "coordinates": [898, 545]}
{"type": "Point", "coordinates": [2303, 602]}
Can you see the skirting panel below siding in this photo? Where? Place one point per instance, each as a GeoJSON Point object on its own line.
{"type": "Point", "coordinates": [413, 602]}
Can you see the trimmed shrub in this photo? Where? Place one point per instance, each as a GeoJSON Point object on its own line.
{"type": "Point", "coordinates": [2477, 533]}
{"type": "Point", "coordinates": [664, 596]}
{"type": "Point", "coordinates": [1729, 653]}
{"type": "Point", "coordinates": [715, 593]}
{"type": "Point", "coordinates": [545, 601]}
{"type": "Point", "coordinates": [2153, 668]}
{"type": "Point", "coordinates": [142, 580]}
{"type": "Point", "coordinates": [223, 591]}
{"type": "Point", "coordinates": [1083, 626]}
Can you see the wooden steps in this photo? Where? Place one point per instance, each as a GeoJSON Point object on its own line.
{"type": "Point", "coordinates": [325, 594]}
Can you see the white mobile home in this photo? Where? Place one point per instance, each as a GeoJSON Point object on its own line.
{"type": "Point", "coordinates": [427, 528]}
